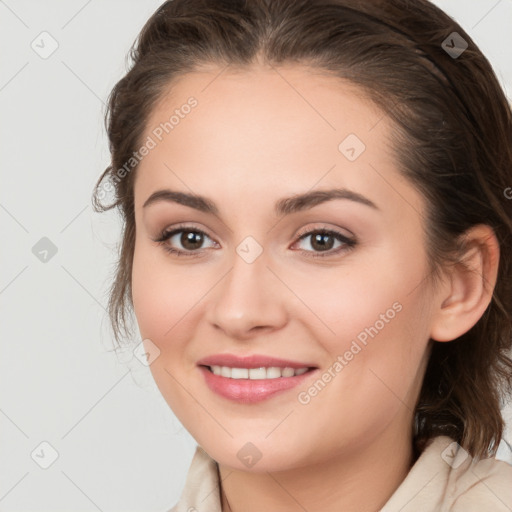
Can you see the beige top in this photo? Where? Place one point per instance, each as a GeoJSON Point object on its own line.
{"type": "Point", "coordinates": [443, 479]}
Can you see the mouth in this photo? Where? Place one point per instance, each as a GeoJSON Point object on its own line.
{"type": "Point", "coordinates": [261, 373]}
{"type": "Point", "coordinates": [254, 378]}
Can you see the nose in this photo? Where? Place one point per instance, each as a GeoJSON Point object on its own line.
{"type": "Point", "coordinates": [248, 300]}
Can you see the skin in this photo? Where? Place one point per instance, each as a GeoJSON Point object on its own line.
{"type": "Point", "coordinates": [258, 135]}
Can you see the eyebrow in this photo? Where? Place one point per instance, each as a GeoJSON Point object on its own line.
{"type": "Point", "coordinates": [285, 206]}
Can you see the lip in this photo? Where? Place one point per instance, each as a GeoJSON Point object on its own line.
{"type": "Point", "coordinates": [249, 391]}
{"type": "Point", "coordinates": [252, 361]}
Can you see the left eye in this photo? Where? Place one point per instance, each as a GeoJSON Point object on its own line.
{"type": "Point", "coordinates": [322, 241]}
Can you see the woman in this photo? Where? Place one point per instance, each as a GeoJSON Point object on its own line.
{"type": "Point", "coordinates": [317, 250]}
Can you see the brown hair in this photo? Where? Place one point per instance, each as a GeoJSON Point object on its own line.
{"type": "Point", "coordinates": [453, 140]}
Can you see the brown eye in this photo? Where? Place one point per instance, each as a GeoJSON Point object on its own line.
{"type": "Point", "coordinates": [189, 240]}
{"type": "Point", "coordinates": [323, 241]}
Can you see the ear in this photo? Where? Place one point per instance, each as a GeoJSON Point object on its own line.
{"type": "Point", "coordinates": [468, 286]}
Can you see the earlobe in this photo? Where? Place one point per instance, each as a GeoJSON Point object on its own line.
{"type": "Point", "coordinates": [469, 285]}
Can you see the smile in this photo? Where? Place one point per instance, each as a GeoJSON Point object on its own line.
{"type": "Point", "coordinates": [272, 372]}
{"type": "Point", "coordinates": [252, 378]}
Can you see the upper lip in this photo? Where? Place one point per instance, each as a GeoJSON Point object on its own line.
{"type": "Point", "coordinates": [251, 361]}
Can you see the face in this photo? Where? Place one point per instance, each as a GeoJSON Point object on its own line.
{"type": "Point", "coordinates": [332, 284]}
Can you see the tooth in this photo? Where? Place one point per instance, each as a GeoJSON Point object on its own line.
{"type": "Point", "coordinates": [239, 373]}
{"type": "Point", "coordinates": [273, 372]}
{"type": "Point", "coordinates": [257, 373]}
{"type": "Point", "coordinates": [288, 372]}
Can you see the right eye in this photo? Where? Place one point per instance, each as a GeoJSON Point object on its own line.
{"type": "Point", "coordinates": [189, 237]}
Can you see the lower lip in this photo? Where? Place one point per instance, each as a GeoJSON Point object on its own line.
{"type": "Point", "coordinates": [249, 390]}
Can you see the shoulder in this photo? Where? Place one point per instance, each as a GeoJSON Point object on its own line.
{"type": "Point", "coordinates": [445, 478]}
{"type": "Point", "coordinates": [477, 485]}
{"type": "Point", "coordinates": [201, 491]}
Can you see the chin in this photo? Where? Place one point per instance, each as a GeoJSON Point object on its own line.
{"type": "Point", "coordinates": [254, 457]}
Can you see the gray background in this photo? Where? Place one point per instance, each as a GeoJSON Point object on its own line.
{"type": "Point", "coordinates": [119, 446]}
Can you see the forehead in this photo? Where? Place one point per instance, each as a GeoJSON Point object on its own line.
{"type": "Point", "coordinates": [293, 103]}
{"type": "Point", "coordinates": [265, 132]}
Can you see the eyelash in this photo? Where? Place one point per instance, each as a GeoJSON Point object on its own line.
{"type": "Point", "coordinates": [165, 235]}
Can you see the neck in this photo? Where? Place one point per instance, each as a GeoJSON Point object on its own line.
{"type": "Point", "coordinates": [355, 482]}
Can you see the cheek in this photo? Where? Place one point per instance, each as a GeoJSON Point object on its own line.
{"type": "Point", "coordinates": [359, 301]}
{"type": "Point", "coordinates": [164, 296]}
{"type": "Point", "coordinates": [164, 293]}
{"type": "Point", "coordinates": [372, 375]}
{"type": "Point", "coordinates": [374, 331]}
